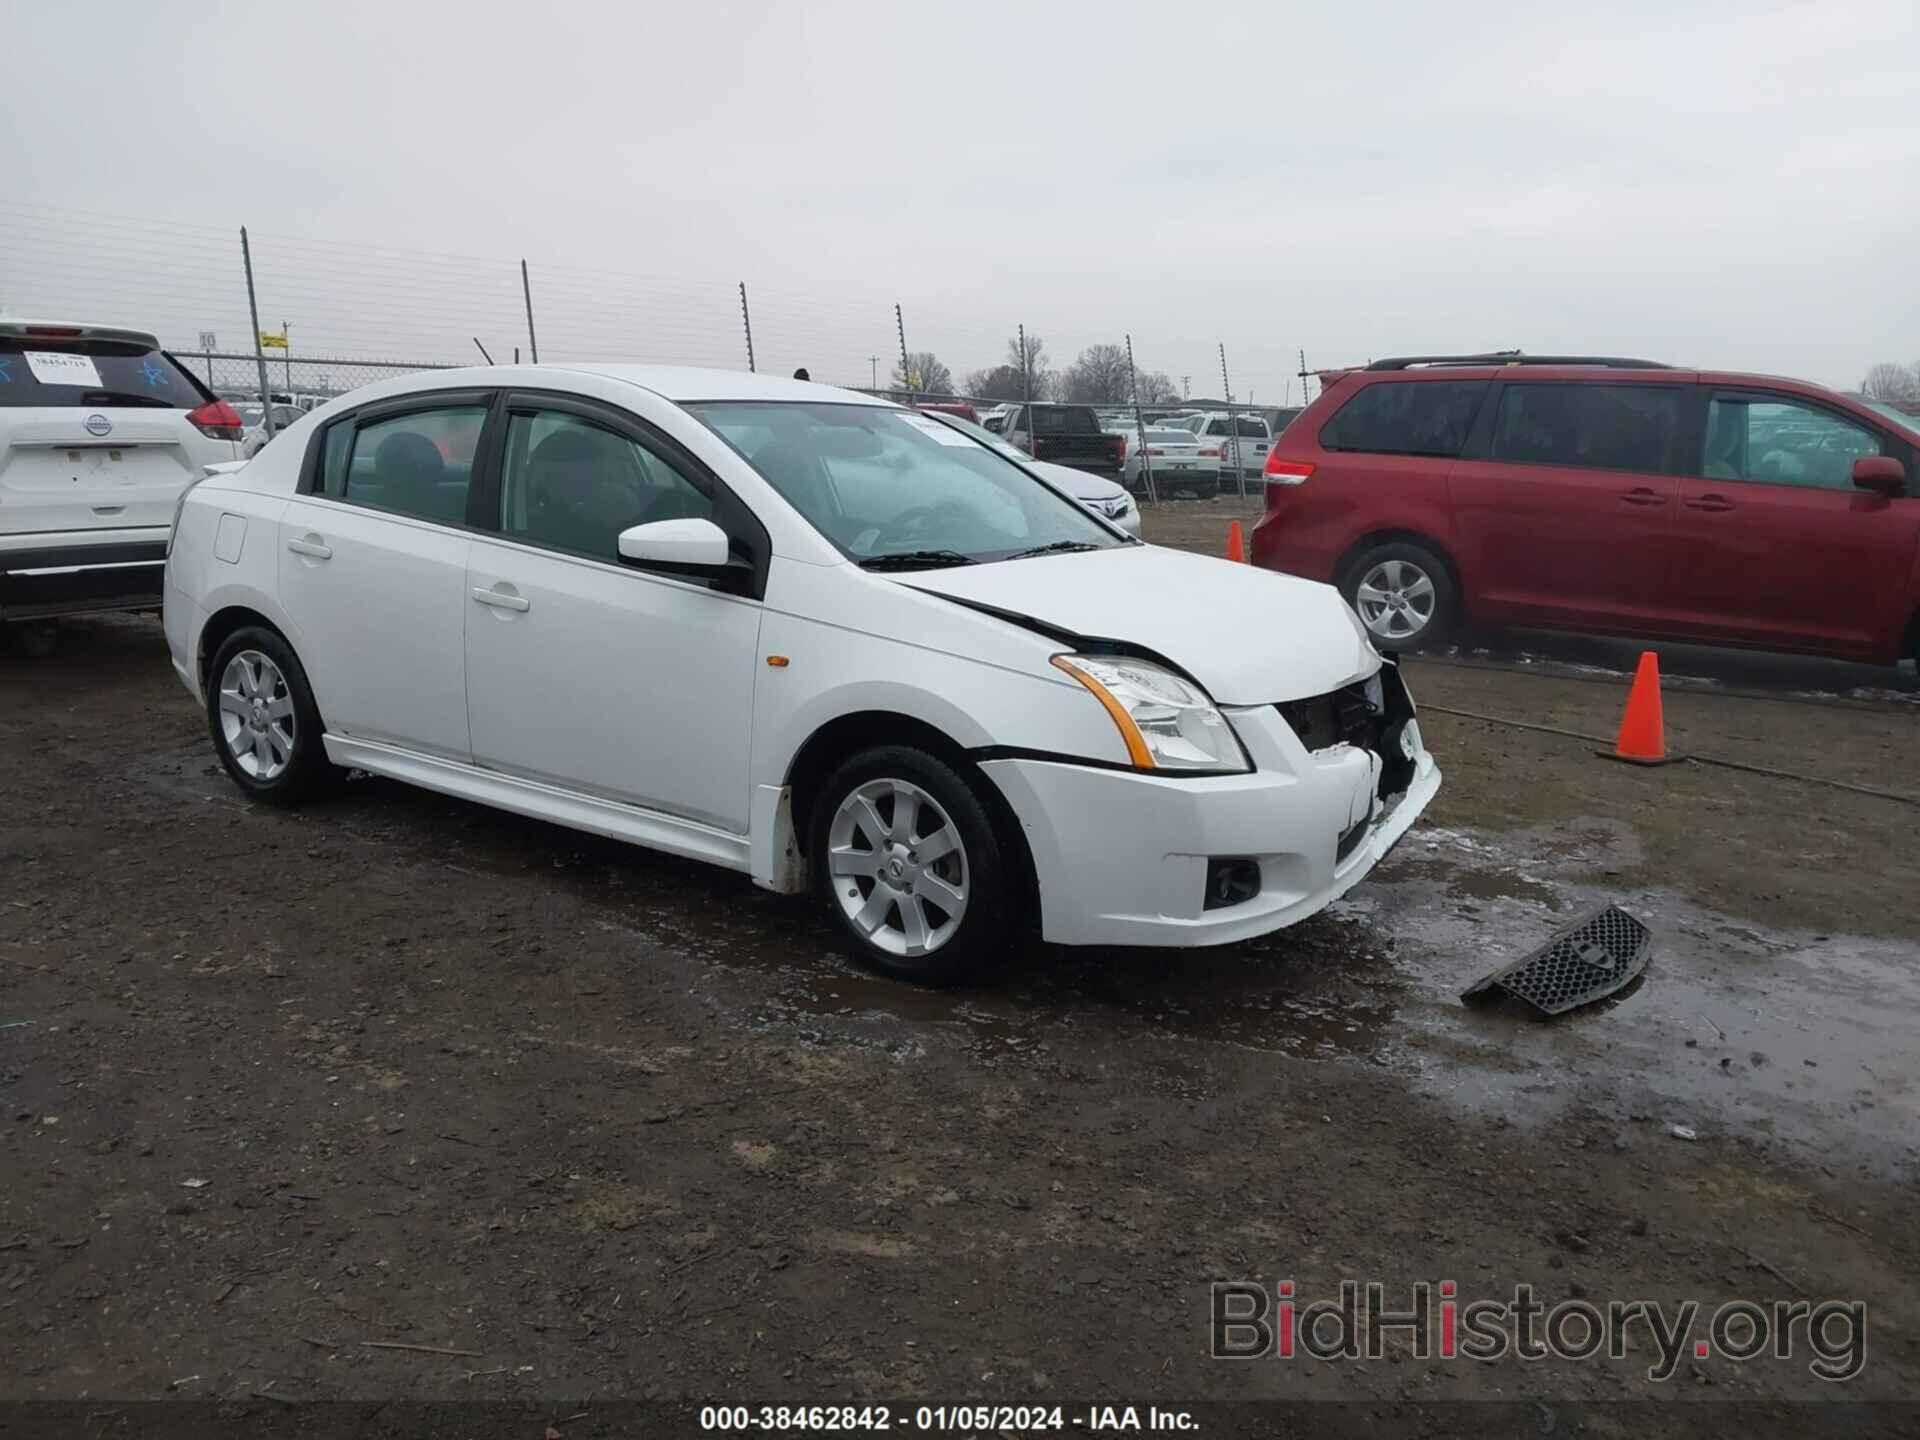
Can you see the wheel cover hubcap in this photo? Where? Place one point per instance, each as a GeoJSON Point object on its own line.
{"type": "Point", "coordinates": [1396, 599]}
{"type": "Point", "coordinates": [256, 715]}
{"type": "Point", "coordinates": [898, 868]}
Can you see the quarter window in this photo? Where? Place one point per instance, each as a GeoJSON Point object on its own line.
{"type": "Point", "coordinates": [1780, 443]}
{"type": "Point", "coordinates": [574, 485]}
{"type": "Point", "coordinates": [1406, 417]}
{"type": "Point", "coordinates": [1609, 427]}
{"type": "Point", "coordinates": [416, 464]}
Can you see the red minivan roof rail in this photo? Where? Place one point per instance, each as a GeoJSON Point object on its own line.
{"type": "Point", "coordinates": [1516, 357]}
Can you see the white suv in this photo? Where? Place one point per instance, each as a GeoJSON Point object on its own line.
{"type": "Point", "coordinates": [811, 636]}
{"type": "Point", "coordinates": [100, 432]}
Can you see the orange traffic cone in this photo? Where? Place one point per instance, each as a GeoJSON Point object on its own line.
{"type": "Point", "coordinates": [1236, 543]}
{"type": "Point", "coordinates": [1643, 733]}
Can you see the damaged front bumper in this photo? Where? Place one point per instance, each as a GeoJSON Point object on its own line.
{"type": "Point", "coordinates": [1127, 857]}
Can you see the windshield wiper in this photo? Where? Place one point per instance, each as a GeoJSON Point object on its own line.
{"type": "Point", "coordinates": [915, 560]}
{"type": "Point", "coordinates": [1058, 547]}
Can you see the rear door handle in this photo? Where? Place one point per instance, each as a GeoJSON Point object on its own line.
{"type": "Point", "coordinates": [1710, 502]}
{"type": "Point", "coordinates": [312, 545]}
{"type": "Point", "coordinates": [1643, 496]}
{"type": "Point", "coordinates": [501, 599]}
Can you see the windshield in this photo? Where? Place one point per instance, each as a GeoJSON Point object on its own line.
{"type": "Point", "coordinates": [883, 482]}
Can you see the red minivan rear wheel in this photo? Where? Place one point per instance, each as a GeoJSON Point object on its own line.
{"type": "Point", "coordinates": [1403, 593]}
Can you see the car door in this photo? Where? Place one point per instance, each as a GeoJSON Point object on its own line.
{"type": "Point", "coordinates": [1781, 548]}
{"type": "Point", "coordinates": [1565, 503]}
{"type": "Point", "coordinates": [373, 564]}
{"type": "Point", "coordinates": [588, 673]}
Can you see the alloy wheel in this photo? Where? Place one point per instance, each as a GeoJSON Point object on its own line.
{"type": "Point", "coordinates": [898, 867]}
{"type": "Point", "coordinates": [256, 716]}
{"type": "Point", "coordinates": [1396, 599]}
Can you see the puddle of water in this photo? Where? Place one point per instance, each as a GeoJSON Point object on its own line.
{"type": "Point", "coordinates": [1788, 1036]}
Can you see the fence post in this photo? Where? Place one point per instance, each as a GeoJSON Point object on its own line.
{"type": "Point", "coordinates": [1026, 371]}
{"type": "Point", "coordinates": [1303, 378]}
{"type": "Point", "coordinates": [906, 370]}
{"type": "Point", "coordinates": [286, 355]}
{"type": "Point", "coordinates": [1140, 424]}
{"type": "Point", "coordinates": [1233, 428]}
{"type": "Point", "coordinates": [526, 293]}
{"type": "Point", "coordinates": [746, 319]}
{"type": "Point", "coordinates": [259, 355]}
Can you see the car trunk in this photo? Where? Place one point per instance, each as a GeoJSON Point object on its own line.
{"type": "Point", "coordinates": [56, 474]}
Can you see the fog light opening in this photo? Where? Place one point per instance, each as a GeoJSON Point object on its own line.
{"type": "Point", "coordinates": [1232, 880]}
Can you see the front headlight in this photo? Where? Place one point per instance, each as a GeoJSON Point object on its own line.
{"type": "Point", "coordinates": [1167, 723]}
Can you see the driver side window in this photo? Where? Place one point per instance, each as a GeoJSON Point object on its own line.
{"type": "Point", "coordinates": [572, 485]}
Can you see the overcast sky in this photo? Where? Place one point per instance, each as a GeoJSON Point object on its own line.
{"type": "Point", "coordinates": [1735, 186]}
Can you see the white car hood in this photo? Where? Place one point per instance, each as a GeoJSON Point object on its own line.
{"type": "Point", "coordinates": [1078, 483]}
{"type": "Point", "coordinates": [1249, 636]}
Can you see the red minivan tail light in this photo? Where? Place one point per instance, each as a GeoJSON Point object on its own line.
{"type": "Point", "coordinates": [218, 420]}
{"type": "Point", "coordinates": [1287, 472]}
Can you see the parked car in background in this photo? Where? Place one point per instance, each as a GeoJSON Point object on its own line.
{"type": "Point", "coordinates": [1244, 439]}
{"type": "Point", "coordinates": [1066, 435]}
{"type": "Point", "coordinates": [254, 418]}
{"type": "Point", "coordinates": [1278, 417]}
{"type": "Point", "coordinates": [1182, 463]}
{"type": "Point", "coordinates": [949, 407]}
{"type": "Point", "coordinates": [1103, 497]}
{"type": "Point", "coordinates": [995, 419]}
{"type": "Point", "coordinates": [1607, 495]}
{"type": "Point", "coordinates": [974, 707]}
{"type": "Point", "coordinates": [100, 431]}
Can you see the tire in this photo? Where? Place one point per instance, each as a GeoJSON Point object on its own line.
{"type": "Point", "coordinates": [879, 900]}
{"type": "Point", "coordinates": [1417, 602]}
{"type": "Point", "coordinates": [272, 749]}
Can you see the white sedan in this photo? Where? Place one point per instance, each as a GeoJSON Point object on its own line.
{"type": "Point", "coordinates": [798, 632]}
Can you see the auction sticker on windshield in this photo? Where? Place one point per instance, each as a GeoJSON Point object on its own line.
{"type": "Point", "coordinates": [51, 367]}
{"type": "Point", "coordinates": [936, 430]}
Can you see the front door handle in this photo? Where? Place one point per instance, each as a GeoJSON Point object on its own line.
{"type": "Point", "coordinates": [500, 599]}
{"type": "Point", "coordinates": [1643, 496]}
{"type": "Point", "coordinates": [311, 545]}
{"type": "Point", "coordinates": [1710, 502]}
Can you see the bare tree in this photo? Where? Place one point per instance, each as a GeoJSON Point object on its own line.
{"type": "Point", "coordinates": [1156, 387]}
{"type": "Point", "coordinates": [1887, 381]}
{"type": "Point", "coordinates": [1004, 382]}
{"type": "Point", "coordinates": [1101, 376]}
{"type": "Point", "coordinates": [924, 375]}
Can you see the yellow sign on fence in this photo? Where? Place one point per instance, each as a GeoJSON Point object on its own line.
{"type": "Point", "coordinates": [271, 341]}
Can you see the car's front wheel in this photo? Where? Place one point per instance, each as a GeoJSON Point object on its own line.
{"type": "Point", "coordinates": [908, 859]}
{"type": "Point", "coordinates": [265, 724]}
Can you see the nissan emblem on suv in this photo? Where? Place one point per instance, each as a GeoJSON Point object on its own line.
{"type": "Point", "coordinates": [98, 425]}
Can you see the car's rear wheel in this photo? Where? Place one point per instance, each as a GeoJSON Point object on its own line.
{"type": "Point", "coordinates": [909, 861]}
{"type": "Point", "coordinates": [264, 721]}
{"type": "Point", "coordinates": [1403, 593]}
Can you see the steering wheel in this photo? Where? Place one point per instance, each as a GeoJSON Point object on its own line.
{"type": "Point", "coordinates": [910, 525]}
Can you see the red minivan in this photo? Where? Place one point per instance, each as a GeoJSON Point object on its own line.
{"type": "Point", "coordinates": [1617, 496]}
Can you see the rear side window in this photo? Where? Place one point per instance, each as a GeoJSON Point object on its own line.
{"type": "Point", "coordinates": [416, 464]}
{"type": "Point", "coordinates": [1406, 417]}
{"type": "Point", "coordinates": [91, 374]}
{"type": "Point", "coordinates": [1610, 427]}
{"type": "Point", "coordinates": [1063, 420]}
{"type": "Point", "coordinates": [1252, 429]}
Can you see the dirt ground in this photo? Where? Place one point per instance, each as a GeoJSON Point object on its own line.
{"type": "Point", "coordinates": [397, 1098]}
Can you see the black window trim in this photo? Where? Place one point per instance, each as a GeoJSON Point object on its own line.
{"type": "Point", "coordinates": [1891, 443]}
{"type": "Point", "coordinates": [1479, 447]}
{"type": "Point", "coordinates": [313, 463]}
{"type": "Point", "coordinates": [747, 537]}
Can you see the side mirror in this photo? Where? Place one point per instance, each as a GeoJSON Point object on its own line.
{"type": "Point", "coordinates": [1882, 474]}
{"type": "Point", "coordinates": [682, 547]}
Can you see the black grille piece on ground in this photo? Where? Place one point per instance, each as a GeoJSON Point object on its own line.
{"type": "Point", "coordinates": [1586, 962]}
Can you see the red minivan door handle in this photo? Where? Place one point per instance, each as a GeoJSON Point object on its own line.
{"type": "Point", "coordinates": [1643, 496]}
{"type": "Point", "coordinates": [1710, 501]}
